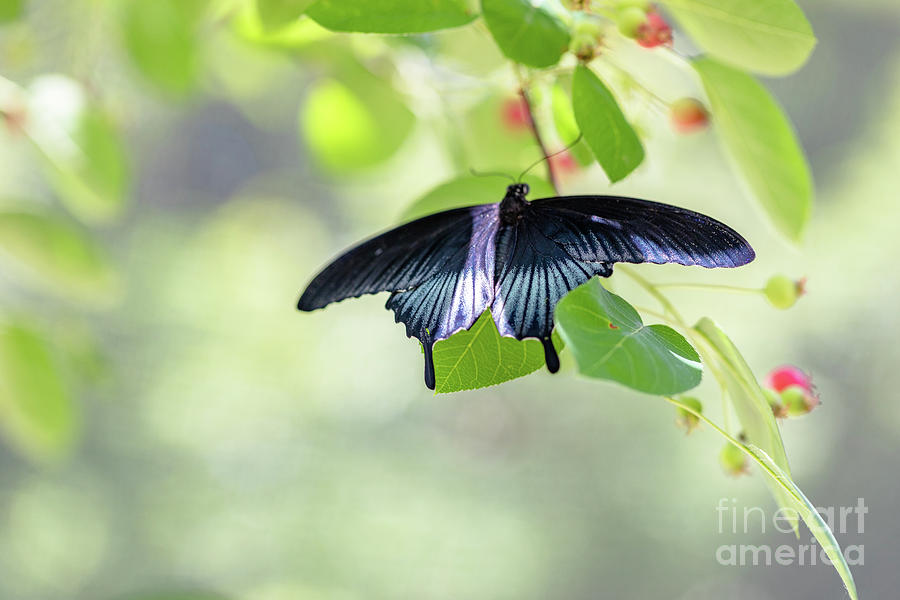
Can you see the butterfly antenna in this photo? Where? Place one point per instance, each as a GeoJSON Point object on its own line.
{"type": "Point", "coordinates": [548, 157]}
{"type": "Point", "coordinates": [491, 174]}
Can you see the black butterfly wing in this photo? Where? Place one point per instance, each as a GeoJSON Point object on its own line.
{"type": "Point", "coordinates": [559, 243]}
{"type": "Point", "coordinates": [453, 297]}
{"type": "Point", "coordinates": [533, 273]}
{"type": "Point", "coordinates": [614, 229]}
{"type": "Point", "coordinates": [399, 259]}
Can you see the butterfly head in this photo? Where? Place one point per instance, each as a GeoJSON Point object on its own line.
{"type": "Point", "coordinates": [513, 202]}
{"type": "Point", "coordinates": [520, 190]}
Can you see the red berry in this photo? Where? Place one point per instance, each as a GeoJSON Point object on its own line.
{"type": "Point", "coordinates": [787, 375]}
{"type": "Point", "coordinates": [514, 113]}
{"type": "Point", "coordinates": [654, 31]}
{"type": "Point", "coordinates": [563, 163]}
{"type": "Point", "coordinates": [688, 115]}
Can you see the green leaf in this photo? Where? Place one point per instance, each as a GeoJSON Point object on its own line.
{"type": "Point", "coordinates": [470, 191]}
{"type": "Point", "coordinates": [747, 397]}
{"type": "Point", "coordinates": [93, 182]}
{"type": "Point", "coordinates": [354, 123]}
{"type": "Point", "coordinates": [771, 37]}
{"type": "Point", "coordinates": [391, 16]}
{"type": "Point", "coordinates": [481, 357]}
{"type": "Point", "coordinates": [797, 502]}
{"type": "Point", "coordinates": [36, 413]}
{"type": "Point", "coordinates": [527, 31]}
{"type": "Point", "coordinates": [161, 38]}
{"type": "Point", "coordinates": [609, 341]}
{"type": "Point", "coordinates": [53, 255]}
{"type": "Point", "coordinates": [10, 10]}
{"type": "Point", "coordinates": [566, 126]}
{"type": "Point", "coordinates": [761, 143]}
{"type": "Point", "coordinates": [610, 137]}
{"type": "Point", "coordinates": [274, 14]}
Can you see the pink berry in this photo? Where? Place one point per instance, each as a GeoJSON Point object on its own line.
{"type": "Point", "coordinates": [654, 31]}
{"type": "Point", "coordinates": [787, 375]}
{"type": "Point", "coordinates": [688, 115]}
{"type": "Point", "coordinates": [514, 113]}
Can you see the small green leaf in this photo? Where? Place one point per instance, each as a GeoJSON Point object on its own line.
{"type": "Point", "coordinates": [567, 127]}
{"type": "Point", "coordinates": [796, 501]}
{"type": "Point", "coordinates": [10, 10]}
{"type": "Point", "coordinates": [471, 191]}
{"type": "Point", "coordinates": [612, 140]}
{"type": "Point", "coordinates": [391, 16]}
{"type": "Point", "coordinates": [747, 397]}
{"type": "Point", "coordinates": [771, 37]}
{"type": "Point", "coordinates": [348, 129]}
{"type": "Point", "coordinates": [274, 14]}
{"type": "Point", "coordinates": [56, 256]}
{"type": "Point", "coordinates": [36, 413]}
{"type": "Point", "coordinates": [530, 32]}
{"type": "Point", "coordinates": [93, 182]}
{"type": "Point", "coordinates": [609, 341]}
{"type": "Point", "coordinates": [161, 38]}
{"type": "Point", "coordinates": [761, 143]}
{"type": "Point", "coordinates": [481, 357]}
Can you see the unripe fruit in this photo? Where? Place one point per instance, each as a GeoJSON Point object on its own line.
{"type": "Point", "coordinates": [630, 20]}
{"type": "Point", "coordinates": [688, 115]}
{"type": "Point", "coordinates": [782, 292]}
{"type": "Point", "coordinates": [774, 399]}
{"type": "Point", "coordinates": [733, 460]}
{"type": "Point", "coordinates": [798, 400]}
{"type": "Point", "coordinates": [687, 420]}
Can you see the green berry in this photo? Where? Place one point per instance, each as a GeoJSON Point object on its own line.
{"type": "Point", "coordinates": [630, 20]}
{"type": "Point", "coordinates": [797, 400]}
{"type": "Point", "coordinates": [733, 460]}
{"type": "Point", "coordinates": [687, 420]}
{"type": "Point", "coordinates": [782, 291]}
{"type": "Point", "coordinates": [774, 400]}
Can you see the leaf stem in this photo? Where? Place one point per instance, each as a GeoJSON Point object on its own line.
{"type": "Point", "coordinates": [651, 289]}
{"type": "Point", "coordinates": [529, 109]}
{"type": "Point", "coordinates": [709, 286]}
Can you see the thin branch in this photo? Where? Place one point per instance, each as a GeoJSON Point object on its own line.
{"type": "Point", "coordinates": [551, 174]}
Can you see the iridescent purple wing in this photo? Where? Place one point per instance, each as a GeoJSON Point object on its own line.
{"type": "Point", "coordinates": [399, 259]}
{"type": "Point", "coordinates": [439, 269]}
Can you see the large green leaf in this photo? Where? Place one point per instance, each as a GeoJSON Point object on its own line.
{"type": "Point", "coordinates": [612, 140]}
{"type": "Point", "coordinates": [771, 37]}
{"type": "Point", "coordinates": [761, 143]}
{"type": "Point", "coordinates": [609, 341]}
{"type": "Point", "coordinates": [36, 413]}
{"type": "Point", "coordinates": [481, 357]}
{"type": "Point", "coordinates": [161, 38]}
{"type": "Point", "coordinates": [274, 14]}
{"type": "Point", "coordinates": [747, 397]}
{"type": "Point", "coordinates": [528, 31]}
{"type": "Point", "coordinates": [796, 501]}
{"type": "Point", "coordinates": [353, 123]}
{"type": "Point", "coordinates": [56, 256]}
{"type": "Point", "coordinates": [391, 16]}
{"type": "Point", "coordinates": [10, 10]}
{"type": "Point", "coordinates": [470, 191]}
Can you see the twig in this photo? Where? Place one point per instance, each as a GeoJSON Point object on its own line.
{"type": "Point", "coordinates": [551, 174]}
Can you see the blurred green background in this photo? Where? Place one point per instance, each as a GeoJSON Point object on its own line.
{"type": "Point", "coordinates": [172, 175]}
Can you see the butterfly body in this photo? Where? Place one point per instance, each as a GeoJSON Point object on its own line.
{"type": "Point", "coordinates": [517, 259]}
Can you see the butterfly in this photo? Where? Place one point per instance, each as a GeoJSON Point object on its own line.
{"type": "Point", "coordinates": [517, 258]}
